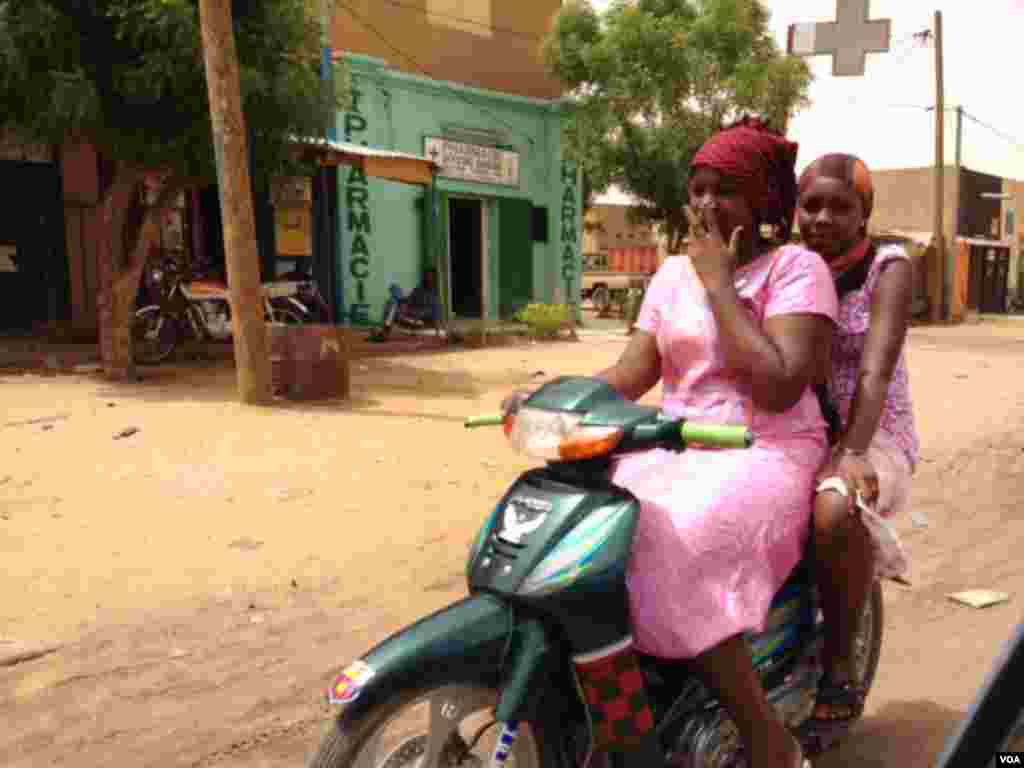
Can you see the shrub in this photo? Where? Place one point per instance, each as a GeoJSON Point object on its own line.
{"type": "Point", "coordinates": [544, 320]}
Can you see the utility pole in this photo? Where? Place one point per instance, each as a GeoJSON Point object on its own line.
{"type": "Point", "coordinates": [952, 251]}
{"type": "Point", "coordinates": [231, 147]}
{"type": "Point", "coordinates": [959, 138]}
{"type": "Point", "coordinates": [939, 233]}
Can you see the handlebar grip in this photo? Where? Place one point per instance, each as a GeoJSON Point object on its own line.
{"type": "Point", "coordinates": [717, 435]}
{"type": "Point", "coordinates": [494, 420]}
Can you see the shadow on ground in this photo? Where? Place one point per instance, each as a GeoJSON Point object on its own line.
{"type": "Point", "coordinates": [901, 734]}
{"type": "Point", "coordinates": [214, 381]}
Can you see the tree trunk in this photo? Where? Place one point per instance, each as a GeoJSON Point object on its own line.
{"type": "Point", "coordinates": [126, 232]}
{"type": "Point", "coordinates": [114, 318]}
{"type": "Point", "coordinates": [231, 145]}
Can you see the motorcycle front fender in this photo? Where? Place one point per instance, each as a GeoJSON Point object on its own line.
{"type": "Point", "coordinates": [463, 643]}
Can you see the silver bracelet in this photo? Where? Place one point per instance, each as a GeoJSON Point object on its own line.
{"type": "Point", "coordinates": [851, 452]}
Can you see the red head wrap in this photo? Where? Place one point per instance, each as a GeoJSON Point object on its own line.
{"type": "Point", "coordinates": [763, 163]}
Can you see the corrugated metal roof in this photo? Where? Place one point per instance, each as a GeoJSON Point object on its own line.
{"type": "Point", "coordinates": [346, 147]}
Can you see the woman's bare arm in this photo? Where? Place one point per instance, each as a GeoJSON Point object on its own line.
{"type": "Point", "coordinates": [638, 369]}
{"type": "Point", "coordinates": [782, 360]}
{"type": "Point", "coordinates": [890, 318]}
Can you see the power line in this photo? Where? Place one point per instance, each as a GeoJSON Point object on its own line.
{"type": "Point", "coordinates": [426, 72]}
{"type": "Point", "coordinates": [1005, 137]}
{"type": "Point", "coordinates": [463, 20]}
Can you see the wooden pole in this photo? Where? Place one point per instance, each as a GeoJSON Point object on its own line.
{"type": "Point", "coordinates": [940, 234]}
{"type": "Point", "coordinates": [959, 138]}
{"type": "Point", "coordinates": [232, 152]}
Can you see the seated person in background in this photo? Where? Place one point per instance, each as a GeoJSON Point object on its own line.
{"type": "Point", "coordinates": [421, 306]}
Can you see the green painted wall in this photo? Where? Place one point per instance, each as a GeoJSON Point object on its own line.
{"type": "Point", "coordinates": [383, 236]}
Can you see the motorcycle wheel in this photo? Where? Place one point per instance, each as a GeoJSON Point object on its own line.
{"type": "Point", "coordinates": [284, 315]}
{"type": "Point", "coordinates": [432, 728]}
{"type": "Point", "coordinates": [152, 341]}
{"type": "Point", "coordinates": [601, 298]}
{"type": "Point", "coordinates": [868, 643]}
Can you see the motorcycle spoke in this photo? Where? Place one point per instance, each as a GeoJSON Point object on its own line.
{"type": "Point", "coordinates": [367, 756]}
{"type": "Point", "coordinates": [428, 733]}
{"type": "Point", "coordinates": [442, 723]}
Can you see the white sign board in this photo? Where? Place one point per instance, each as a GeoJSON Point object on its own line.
{"type": "Point", "coordinates": [472, 162]}
{"type": "Point", "coordinates": [848, 39]}
{"type": "Point", "coordinates": [7, 255]}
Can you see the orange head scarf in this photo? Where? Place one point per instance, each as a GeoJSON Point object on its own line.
{"type": "Point", "coordinates": [850, 170]}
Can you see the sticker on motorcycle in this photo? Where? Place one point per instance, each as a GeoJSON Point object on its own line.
{"type": "Point", "coordinates": [522, 517]}
{"type": "Point", "coordinates": [349, 684]}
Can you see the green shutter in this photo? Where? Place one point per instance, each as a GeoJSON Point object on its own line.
{"type": "Point", "coordinates": [515, 255]}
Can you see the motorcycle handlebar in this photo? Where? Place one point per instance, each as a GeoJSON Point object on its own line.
{"type": "Point", "coordinates": [495, 420]}
{"type": "Point", "coordinates": [716, 435]}
{"type": "Point", "coordinates": [711, 435]}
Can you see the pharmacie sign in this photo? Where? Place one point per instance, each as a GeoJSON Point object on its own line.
{"type": "Point", "coordinates": [473, 162]}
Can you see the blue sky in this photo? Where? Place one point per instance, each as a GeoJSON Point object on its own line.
{"type": "Point", "coordinates": [881, 116]}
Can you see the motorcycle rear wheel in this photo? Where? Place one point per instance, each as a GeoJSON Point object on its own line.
{"type": "Point", "coordinates": [867, 647]}
{"type": "Point", "coordinates": [455, 714]}
{"type": "Point", "coordinates": [153, 341]}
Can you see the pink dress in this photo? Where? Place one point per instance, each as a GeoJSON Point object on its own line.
{"type": "Point", "coordinates": [720, 530]}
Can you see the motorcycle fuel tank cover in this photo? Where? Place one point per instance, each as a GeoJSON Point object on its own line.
{"type": "Point", "coordinates": [350, 683]}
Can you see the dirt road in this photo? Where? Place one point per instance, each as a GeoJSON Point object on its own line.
{"type": "Point", "coordinates": [207, 574]}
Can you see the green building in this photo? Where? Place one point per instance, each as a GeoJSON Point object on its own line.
{"type": "Point", "coordinates": [500, 221]}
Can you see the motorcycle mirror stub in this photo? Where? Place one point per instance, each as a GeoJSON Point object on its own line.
{"type": "Point", "coordinates": [350, 683]}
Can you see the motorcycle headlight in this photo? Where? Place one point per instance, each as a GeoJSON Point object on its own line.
{"type": "Point", "coordinates": [559, 436]}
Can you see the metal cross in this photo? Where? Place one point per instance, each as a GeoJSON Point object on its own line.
{"type": "Point", "coordinates": [848, 39]}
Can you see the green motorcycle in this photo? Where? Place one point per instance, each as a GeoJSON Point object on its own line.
{"type": "Point", "coordinates": [528, 669]}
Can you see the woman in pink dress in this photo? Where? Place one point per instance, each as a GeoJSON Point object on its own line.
{"type": "Point", "coordinates": [733, 329]}
{"type": "Point", "coordinates": [867, 477]}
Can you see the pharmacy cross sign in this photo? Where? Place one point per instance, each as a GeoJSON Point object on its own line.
{"type": "Point", "coordinates": [848, 39]}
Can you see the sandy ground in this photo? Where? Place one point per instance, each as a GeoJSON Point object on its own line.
{"type": "Point", "coordinates": [208, 574]}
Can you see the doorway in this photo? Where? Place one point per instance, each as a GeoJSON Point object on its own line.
{"type": "Point", "coordinates": [466, 256]}
{"type": "Point", "coordinates": [988, 278]}
{"type": "Point", "coordinates": [34, 276]}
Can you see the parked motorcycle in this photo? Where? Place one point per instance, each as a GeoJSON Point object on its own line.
{"type": "Point", "coordinates": [308, 300]}
{"type": "Point", "coordinates": [507, 674]}
{"type": "Point", "coordinates": [200, 308]}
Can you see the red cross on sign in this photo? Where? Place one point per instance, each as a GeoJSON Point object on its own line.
{"type": "Point", "coordinates": [848, 39]}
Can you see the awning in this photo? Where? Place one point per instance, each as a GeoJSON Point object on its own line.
{"type": "Point", "coordinates": [379, 163]}
{"type": "Point", "coordinates": [918, 237]}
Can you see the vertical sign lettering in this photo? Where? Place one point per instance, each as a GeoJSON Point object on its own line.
{"type": "Point", "coordinates": [569, 232]}
{"type": "Point", "coordinates": [359, 221]}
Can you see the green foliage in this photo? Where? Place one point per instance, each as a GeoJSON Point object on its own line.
{"type": "Point", "coordinates": [128, 75]}
{"type": "Point", "coordinates": [651, 80]}
{"type": "Point", "coordinates": [544, 320]}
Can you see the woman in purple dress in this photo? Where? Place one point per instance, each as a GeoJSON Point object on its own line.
{"type": "Point", "coordinates": [867, 477]}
